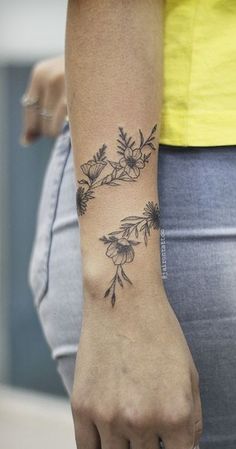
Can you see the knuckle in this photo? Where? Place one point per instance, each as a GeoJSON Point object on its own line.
{"type": "Point", "coordinates": [178, 415]}
{"type": "Point", "coordinates": [79, 408]}
{"type": "Point", "coordinates": [105, 416]}
{"type": "Point", "coordinates": [133, 420]}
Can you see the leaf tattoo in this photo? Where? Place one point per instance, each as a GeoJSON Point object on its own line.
{"type": "Point", "coordinates": [132, 159]}
{"type": "Point", "coordinates": [121, 244]}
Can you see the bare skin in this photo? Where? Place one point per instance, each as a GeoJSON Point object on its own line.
{"type": "Point", "coordinates": [47, 84]}
{"type": "Point", "coordinates": [135, 380]}
{"type": "Point", "coordinates": [132, 384]}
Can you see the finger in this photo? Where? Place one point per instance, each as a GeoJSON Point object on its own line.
{"type": "Point", "coordinates": [86, 434]}
{"type": "Point", "coordinates": [31, 119]}
{"type": "Point", "coordinates": [47, 113]}
{"type": "Point", "coordinates": [110, 439]}
{"type": "Point", "coordinates": [116, 443]}
{"type": "Point", "coordinates": [180, 435]}
{"type": "Point", "coordinates": [178, 441]}
{"type": "Point", "coordinates": [58, 118]}
{"type": "Point", "coordinates": [198, 421]}
{"type": "Point", "coordinates": [146, 442]}
{"type": "Point", "coordinates": [183, 439]}
{"type": "Point", "coordinates": [30, 123]}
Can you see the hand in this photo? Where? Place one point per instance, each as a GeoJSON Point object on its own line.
{"type": "Point", "coordinates": [44, 102]}
{"type": "Point", "coordinates": [135, 382]}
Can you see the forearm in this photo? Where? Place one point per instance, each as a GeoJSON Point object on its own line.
{"type": "Point", "coordinates": [114, 86]}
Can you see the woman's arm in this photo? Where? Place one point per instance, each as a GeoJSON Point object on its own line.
{"type": "Point", "coordinates": [114, 86]}
{"type": "Point", "coordinates": [133, 360]}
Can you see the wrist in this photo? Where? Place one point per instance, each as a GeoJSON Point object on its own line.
{"type": "Point", "coordinates": [136, 317]}
{"type": "Point", "coordinates": [144, 295]}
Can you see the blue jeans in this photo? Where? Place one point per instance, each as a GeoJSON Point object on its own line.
{"type": "Point", "coordinates": [197, 194]}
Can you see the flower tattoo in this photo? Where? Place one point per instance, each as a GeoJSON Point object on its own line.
{"type": "Point", "coordinates": [132, 162]}
{"type": "Point", "coordinates": [121, 251]}
{"type": "Point", "coordinates": [93, 169]}
{"type": "Point", "coordinates": [132, 159]}
{"type": "Point", "coordinates": [82, 198]}
{"type": "Point", "coordinates": [121, 244]}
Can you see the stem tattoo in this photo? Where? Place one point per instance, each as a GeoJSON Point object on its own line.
{"type": "Point", "coordinates": [132, 159]}
{"type": "Point", "coordinates": [121, 243]}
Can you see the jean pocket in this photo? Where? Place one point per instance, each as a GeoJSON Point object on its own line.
{"type": "Point", "coordinates": [38, 265]}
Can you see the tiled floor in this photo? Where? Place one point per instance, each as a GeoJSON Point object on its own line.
{"type": "Point", "coordinates": [34, 421]}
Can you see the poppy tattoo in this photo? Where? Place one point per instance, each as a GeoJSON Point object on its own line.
{"type": "Point", "coordinates": [132, 159]}
{"type": "Point", "coordinates": [121, 244]}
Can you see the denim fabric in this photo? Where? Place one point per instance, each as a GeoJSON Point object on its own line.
{"type": "Point", "coordinates": [197, 194]}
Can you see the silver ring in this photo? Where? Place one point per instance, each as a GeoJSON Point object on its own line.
{"type": "Point", "coordinates": [45, 114]}
{"type": "Point", "coordinates": [29, 102]}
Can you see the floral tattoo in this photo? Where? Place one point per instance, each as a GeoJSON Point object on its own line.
{"type": "Point", "coordinates": [132, 159]}
{"type": "Point", "coordinates": [121, 244]}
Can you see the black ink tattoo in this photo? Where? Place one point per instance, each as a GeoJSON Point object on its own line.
{"type": "Point", "coordinates": [132, 159]}
{"type": "Point", "coordinates": [121, 248]}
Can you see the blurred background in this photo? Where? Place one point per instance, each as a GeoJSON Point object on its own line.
{"type": "Point", "coordinates": [30, 30]}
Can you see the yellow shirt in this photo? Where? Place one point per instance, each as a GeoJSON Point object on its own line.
{"type": "Point", "coordinates": [199, 107]}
